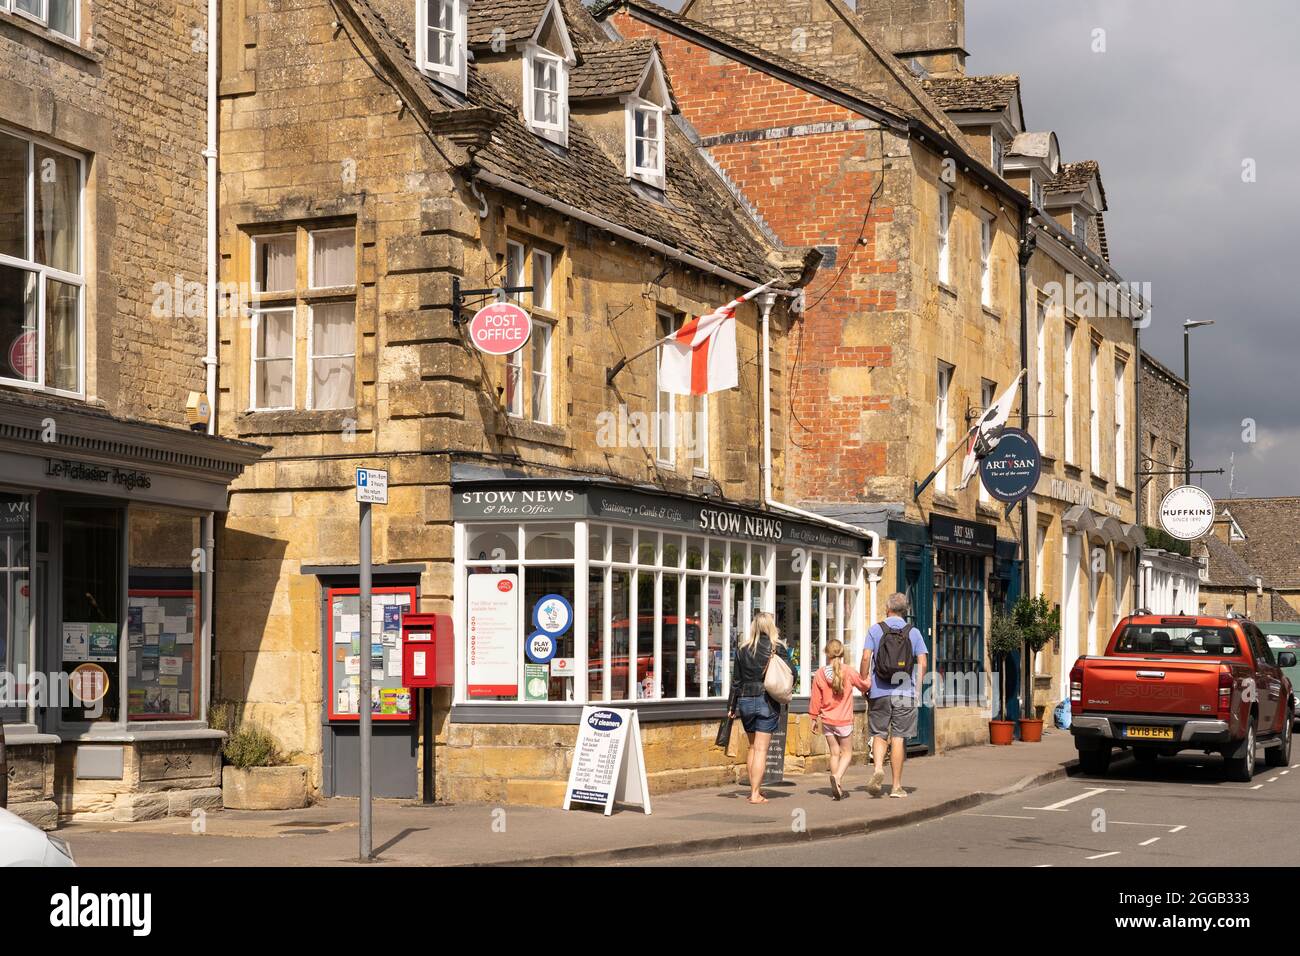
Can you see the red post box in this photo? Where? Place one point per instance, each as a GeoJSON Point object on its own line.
{"type": "Point", "coordinates": [427, 650]}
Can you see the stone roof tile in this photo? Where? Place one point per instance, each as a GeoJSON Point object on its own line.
{"type": "Point", "coordinates": [973, 93]}
{"type": "Point", "coordinates": [610, 69]}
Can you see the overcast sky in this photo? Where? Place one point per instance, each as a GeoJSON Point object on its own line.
{"type": "Point", "coordinates": [1185, 91]}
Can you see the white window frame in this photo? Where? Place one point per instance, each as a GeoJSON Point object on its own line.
{"type": "Point", "coordinates": [255, 279]}
{"type": "Point", "coordinates": [942, 388]}
{"type": "Point", "coordinates": [1067, 375]}
{"type": "Point", "coordinates": [988, 395]}
{"type": "Point", "coordinates": [544, 376]}
{"type": "Point", "coordinates": [671, 411]}
{"type": "Point", "coordinates": [254, 359]}
{"type": "Point", "coordinates": [42, 16]}
{"type": "Point", "coordinates": [986, 261]}
{"type": "Point", "coordinates": [1079, 225]}
{"type": "Point", "coordinates": [46, 273]}
{"type": "Point", "coordinates": [557, 132]}
{"type": "Point", "coordinates": [541, 256]}
{"type": "Point", "coordinates": [1094, 411]}
{"type": "Point", "coordinates": [312, 356]}
{"type": "Point", "coordinates": [654, 175]}
{"type": "Point", "coordinates": [945, 229]}
{"type": "Point", "coordinates": [996, 154]}
{"type": "Point", "coordinates": [1121, 422]}
{"type": "Point", "coordinates": [311, 256]}
{"type": "Point", "coordinates": [700, 465]}
{"type": "Point", "coordinates": [450, 74]}
{"type": "Point", "coordinates": [1040, 371]}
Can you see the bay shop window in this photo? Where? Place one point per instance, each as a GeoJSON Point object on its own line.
{"type": "Point", "coordinates": [656, 614]}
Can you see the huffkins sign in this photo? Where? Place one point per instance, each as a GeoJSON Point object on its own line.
{"type": "Point", "coordinates": [1186, 512]}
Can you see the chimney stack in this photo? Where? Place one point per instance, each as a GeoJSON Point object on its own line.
{"type": "Point", "coordinates": [930, 32]}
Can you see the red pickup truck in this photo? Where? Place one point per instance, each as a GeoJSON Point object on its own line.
{"type": "Point", "coordinates": [1168, 684]}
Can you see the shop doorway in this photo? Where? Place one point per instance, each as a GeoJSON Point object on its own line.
{"type": "Point", "coordinates": [916, 580]}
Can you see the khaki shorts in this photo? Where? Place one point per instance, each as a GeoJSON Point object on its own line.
{"type": "Point", "coordinates": [891, 716]}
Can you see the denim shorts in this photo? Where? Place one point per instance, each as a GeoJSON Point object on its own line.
{"type": "Point", "coordinates": [758, 714]}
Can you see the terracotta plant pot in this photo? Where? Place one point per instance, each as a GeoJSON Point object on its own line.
{"type": "Point", "coordinates": [1031, 731]}
{"type": "Point", "coordinates": [1002, 732]}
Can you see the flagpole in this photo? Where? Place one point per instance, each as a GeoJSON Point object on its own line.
{"type": "Point", "coordinates": [959, 446]}
{"type": "Point", "coordinates": [623, 363]}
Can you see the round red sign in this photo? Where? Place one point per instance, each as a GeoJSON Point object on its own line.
{"type": "Point", "coordinates": [22, 356]}
{"type": "Point", "coordinates": [504, 586]}
{"type": "Point", "coordinates": [501, 328]}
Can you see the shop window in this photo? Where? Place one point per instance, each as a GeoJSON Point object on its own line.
{"type": "Point", "coordinates": [92, 612]}
{"type": "Point", "coordinates": [529, 372]}
{"type": "Point", "coordinates": [17, 627]}
{"type": "Point", "coordinates": [959, 626]}
{"type": "Point", "coordinates": [42, 282]}
{"type": "Point", "coordinates": [164, 616]}
{"type": "Point", "coordinates": [304, 315]}
{"type": "Point", "coordinates": [549, 544]}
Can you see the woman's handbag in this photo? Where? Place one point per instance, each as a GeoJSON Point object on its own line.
{"type": "Point", "coordinates": [723, 737]}
{"type": "Point", "coordinates": [778, 679]}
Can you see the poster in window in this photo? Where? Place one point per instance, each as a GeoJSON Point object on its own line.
{"type": "Point", "coordinates": [494, 638]}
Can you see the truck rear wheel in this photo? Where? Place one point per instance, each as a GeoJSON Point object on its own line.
{"type": "Point", "coordinates": [1242, 769]}
{"type": "Point", "coordinates": [1279, 755]}
{"type": "Point", "coordinates": [1094, 760]}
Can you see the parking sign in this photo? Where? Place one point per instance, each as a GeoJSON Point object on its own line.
{"type": "Point", "coordinates": [372, 486]}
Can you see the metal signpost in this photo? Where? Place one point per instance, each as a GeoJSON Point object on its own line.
{"type": "Point", "coordinates": [372, 488]}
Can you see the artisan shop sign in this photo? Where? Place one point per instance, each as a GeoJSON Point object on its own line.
{"type": "Point", "coordinates": [957, 535]}
{"type": "Point", "coordinates": [502, 328]}
{"type": "Point", "coordinates": [80, 471]}
{"type": "Point", "coordinates": [1010, 471]}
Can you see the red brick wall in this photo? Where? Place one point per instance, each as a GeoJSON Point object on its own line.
{"type": "Point", "coordinates": [812, 190]}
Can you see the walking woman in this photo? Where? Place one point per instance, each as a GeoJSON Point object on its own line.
{"type": "Point", "coordinates": [832, 705]}
{"type": "Point", "coordinates": [756, 710]}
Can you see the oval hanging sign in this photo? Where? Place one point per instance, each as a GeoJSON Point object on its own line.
{"type": "Point", "coordinates": [22, 356]}
{"type": "Point", "coordinates": [1010, 471]}
{"type": "Point", "coordinates": [1186, 512]}
{"type": "Point", "coordinates": [501, 328]}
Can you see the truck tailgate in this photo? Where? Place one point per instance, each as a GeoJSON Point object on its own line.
{"type": "Point", "coordinates": [1166, 686]}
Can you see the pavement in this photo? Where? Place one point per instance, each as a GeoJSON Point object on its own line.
{"type": "Point", "coordinates": [713, 820]}
{"type": "Point", "coordinates": [1180, 812]}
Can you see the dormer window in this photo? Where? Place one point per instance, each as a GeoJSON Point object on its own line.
{"type": "Point", "coordinates": [1035, 193]}
{"type": "Point", "coordinates": [548, 57]}
{"type": "Point", "coordinates": [441, 40]}
{"type": "Point", "coordinates": [997, 155]}
{"type": "Point", "coordinates": [647, 111]}
{"type": "Point", "coordinates": [1079, 223]}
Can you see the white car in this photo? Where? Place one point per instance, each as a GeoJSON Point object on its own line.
{"type": "Point", "coordinates": [22, 844]}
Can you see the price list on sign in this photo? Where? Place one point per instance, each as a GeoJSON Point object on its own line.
{"type": "Point", "coordinates": [608, 763]}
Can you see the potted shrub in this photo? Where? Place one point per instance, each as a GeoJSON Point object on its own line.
{"type": "Point", "coordinates": [256, 775]}
{"type": "Point", "coordinates": [1037, 623]}
{"type": "Point", "coordinates": [1004, 639]}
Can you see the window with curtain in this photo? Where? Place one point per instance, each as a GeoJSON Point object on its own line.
{"type": "Point", "coordinates": [529, 372]}
{"type": "Point", "coordinates": [59, 15]}
{"type": "Point", "coordinates": [304, 289]}
{"type": "Point", "coordinates": [42, 285]}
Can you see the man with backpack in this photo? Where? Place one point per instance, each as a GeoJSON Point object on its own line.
{"type": "Point", "coordinates": [895, 657]}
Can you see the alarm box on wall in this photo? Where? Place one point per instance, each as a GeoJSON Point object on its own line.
{"type": "Point", "coordinates": [427, 645]}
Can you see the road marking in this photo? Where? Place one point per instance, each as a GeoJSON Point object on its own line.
{"type": "Point", "coordinates": [1148, 842]}
{"type": "Point", "coordinates": [1258, 786]}
{"type": "Point", "coordinates": [1284, 773]}
{"type": "Point", "coordinates": [1058, 806]}
{"type": "Point", "coordinates": [1272, 779]}
{"type": "Point", "coordinates": [1129, 823]}
{"type": "Point", "coordinates": [1039, 866]}
{"type": "Point", "coordinates": [1100, 856]}
{"type": "Point", "coordinates": [999, 816]}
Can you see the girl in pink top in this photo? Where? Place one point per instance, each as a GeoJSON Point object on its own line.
{"type": "Point", "coordinates": [832, 705]}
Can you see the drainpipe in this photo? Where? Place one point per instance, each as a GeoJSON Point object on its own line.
{"type": "Point", "coordinates": [1028, 241]}
{"type": "Point", "coordinates": [1137, 463]}
{"type": "Point", "coordinates": [210, 156]}
{"type": "Point", "coordinates": [874, 564]}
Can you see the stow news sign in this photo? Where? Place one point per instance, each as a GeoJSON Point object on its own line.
{"type": "Point", "coordinates": [506, 501]}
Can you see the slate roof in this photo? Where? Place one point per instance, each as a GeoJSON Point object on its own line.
{"type": "Point", "coordinates": [610, 69]}
{"type": "Point", "coordinates": [517, 20]}
{"type": "Point", "coordinates": [1280, 609]}
{"type": "Point", "coordinates": [1272, 545]}
{"type": "Point", "coordinates": [699, 216]}
{"type": "Point", "coordinates": [978, 94]}
{"type": "Point", "coordinates": [1227, 568]}
{"type": "Point", "coordinates": [1076, 176]}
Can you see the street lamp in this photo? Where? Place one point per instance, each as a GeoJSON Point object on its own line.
{"type": "Point", "coordinates": [1187, 377]}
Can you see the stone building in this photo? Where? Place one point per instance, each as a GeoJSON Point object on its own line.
{"type": "Point", "coordinates": [377, 158]}
{"type": "Point", "coordinates": [106, 498]}
{"type": "Point", "coordinates": [1253, 559]}
{"type": "Point", "coordinates": [859, 132]}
